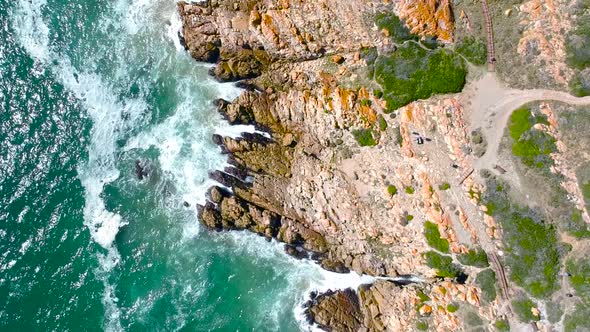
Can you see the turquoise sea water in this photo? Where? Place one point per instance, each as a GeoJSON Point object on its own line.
{"type": "Point", "coordinates": [86, 89]}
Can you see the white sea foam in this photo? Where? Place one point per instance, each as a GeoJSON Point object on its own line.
{"type": "Point", "coordinates": [102, 106]}
{"type": "Point", "coordinates": [235, 131]}
{"type": "Point", "coordinates": [173, 29]}
{"type": "Point", "coordinates": [186, 153]}
{"type": "Point", "coordinates": [31, 31]}
{"type": "Point", "coordinates": [183, 140]}
{"type": "Point", "coordinates": [305, 276]}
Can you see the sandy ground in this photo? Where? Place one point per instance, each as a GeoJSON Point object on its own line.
{"type": "Point", "coordinates": [491, 105]}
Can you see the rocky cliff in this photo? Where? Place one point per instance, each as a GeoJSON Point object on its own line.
{"type": "Point", "coordinates": [345, 178]}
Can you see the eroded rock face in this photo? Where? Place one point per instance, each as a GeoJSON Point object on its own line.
{"type": "Point", "coordinates": [310, 185]}
{"type": "Point", "coordinates": [428, 18]}
{"type": "Point", "coordinates": [337, 311]}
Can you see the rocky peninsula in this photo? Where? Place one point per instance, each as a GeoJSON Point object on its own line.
{"type": "Point", "coordinates": [388, 153]}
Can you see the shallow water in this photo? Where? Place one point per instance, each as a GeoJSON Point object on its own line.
{"type": "Point", "coordinates": [86, 89]}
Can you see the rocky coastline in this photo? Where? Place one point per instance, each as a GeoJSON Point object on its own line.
{"type": "Point", "coordinates": [300, 70]}
{"type": "Point", "coordinates": [341, 178]}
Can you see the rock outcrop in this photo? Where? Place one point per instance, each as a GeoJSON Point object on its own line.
{"type": "Point", "coordinates": [310, 185]}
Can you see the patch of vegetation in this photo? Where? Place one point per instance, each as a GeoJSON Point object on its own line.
{"type": "Point", "coordinates": [422, 325]}
{"type": "Point", "coordinates": [412, 73]}
{"type": "Point", "coordinates": [398, 136]}
{"type": "Point", "coordinates": [502, 325]}
{"type": "Point", "coordinates": [369, 54]}
{"type": "Point", "coordinates": [586, 192]}
{"type": "Point", "coordinates": [423, 297]}
{"type": "Point", "coordinates": [409, 217]}
{"type": "Point", "coordinates": [392, 190]}
{"type": "Point", "coordinates": [364, 137]}
{"type": "Point", "coordinates": [397, 29]}
{"type": "Point", "coordinates": [531, 145]}
{"type": "Point", "coordinates": [409, 190]}
{"type": "Point", "coordinates": [433, 237]}
{"type": "Point", "coordinates": [366, 102]}
{"type": "Point", "coordinates": [522, 308]}
{"type": "Point", "coordinates": [579, 87]}
{"type": "Point", "coordinates": [576, 226]}
{"type": "Point", "coordinates": [533, 255]}
{"type": "Point", "coordinates": [579, 270]}
{"type": "Point", "coordinates": [474, 50]}
{"type": "Point", "coordinates": [444, 186]}
{"type": "Point", "coordinates": [578, 41]}
{"type": "Point", "coordinates": [486, 280]}
{"type": "Point", "coordinates": [578, 319]}
{"type": "Point", "coordinates": [377, 93]}
{"type": "Point", "coordinates": [475, 257]}
{"type": "Point", "coordinates": [443, 264]}
{"type": "Point", "coordinates": [452, 308]}
{"type": "Point", "coordinates": [532, 250]}
{"type": "Point", "coordinates": [382, 123]}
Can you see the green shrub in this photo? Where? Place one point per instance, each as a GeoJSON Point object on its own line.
{"type": "Point", "coordinates": [486, 280]}
{"type": "Point", "coordinates": [444, 186]}
{"type": "Point", "coordinates": [531, 245]}
{"type": "Point", "coordinates": [532, 146]}
{"type": "Point", "coordinates": [502, 325]}
{"type": "Point", "coordinates": [382, 123]}
{"type": "Point", "coordinates": [377, 93]}
{"type": "Point", "coordinates": [392, 190]}
{"type": "Point", "coordinates": [409, 217]}
{"type": "Point", "coordinates": [576, 226]}
{"type": "Point", "coordinates": [423, 297]}
{"type": "Point", "coordinates": [452, 308]}
{"type": "Point", "coordinates": [364, 137]}
{"type": "Point", "coordinates": [443, 264]}
{"type": "Point", "coordinates": [411, 73]}
{"type": "Point", "coordinates": [522, 309]}
{"type": "Point", "coordinates": [398, 31]}
{"type": "Point", "coordinates": [409, 190]}
{"type": "Point", "coordinates": [533, 255]}
{"type": "Point", "coordinates": [474, 50]}
{"type": "Point", "coordinates": [586, 191]}
{"type": "Point", "coordinates": [433, 237]}
{"type": "Point", "coordinates": [366, 102]}
{"type": "Point", "coordinates": [578, 43]}
{"type": "Point", "coordinates": [579, 270]}
{"type": "Point", "coordinates": [422, 325]}
{"type": "Point", "coordinates": [578, 87]}
{"type": "Point", "coordinates": [477, 258]}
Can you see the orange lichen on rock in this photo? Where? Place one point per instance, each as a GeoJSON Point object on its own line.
{"type": "Point", "coordinates": [366, 110]}
{"type": "Point", "coordinates": [428, 18]}
{"type": "Point", "coordinates": [442, 295]}
{"type": "Point", "coordinates": [407, 148]}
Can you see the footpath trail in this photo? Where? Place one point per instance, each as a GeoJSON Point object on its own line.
{"type": "Point", "coordinates": [491, 107]}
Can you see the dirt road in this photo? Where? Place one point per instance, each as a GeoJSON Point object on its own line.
{"type": "Point", "coordinates": [492, 104]}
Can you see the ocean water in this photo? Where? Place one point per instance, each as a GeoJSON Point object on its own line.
{"type": "Point", "coordinates": [88, 88]}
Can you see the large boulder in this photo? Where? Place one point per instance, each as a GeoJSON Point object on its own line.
{"type": "Point", "coordinates": [337, 311]}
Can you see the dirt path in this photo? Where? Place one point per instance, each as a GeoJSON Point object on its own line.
{"type": "Point", "coordinates": [492, 104]}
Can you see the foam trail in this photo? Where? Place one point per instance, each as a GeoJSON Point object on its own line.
{"type": "Point", "coordinates": [31, 31]}
{"type": "Point", "coordinates": [106, 112]}
{"type": "Point", "coordinates": [173, 30]}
